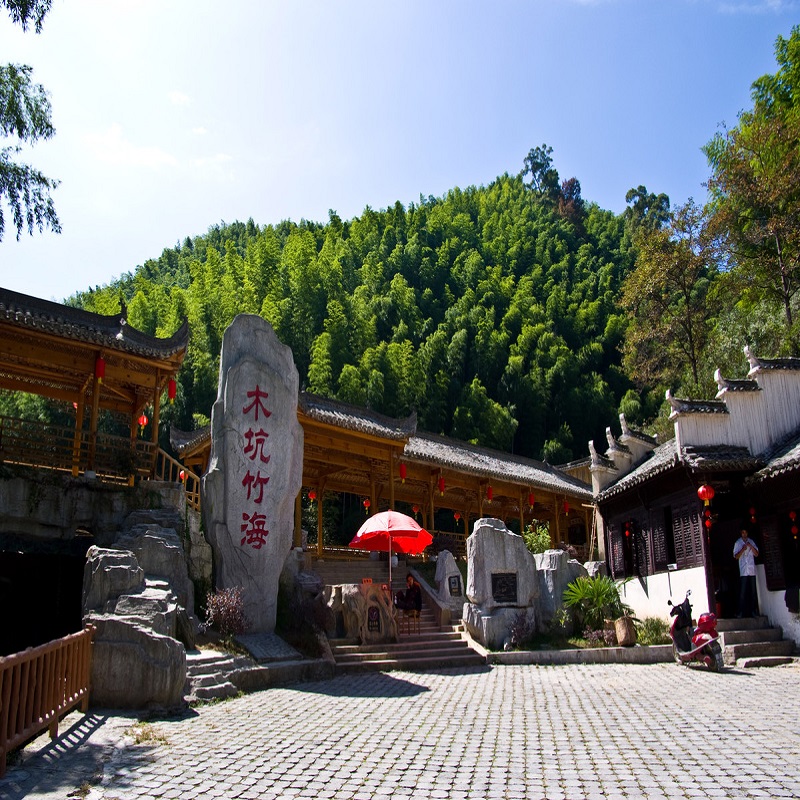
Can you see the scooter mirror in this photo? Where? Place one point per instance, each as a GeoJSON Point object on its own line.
{"type": "Point", "coordinates": [669, 602]}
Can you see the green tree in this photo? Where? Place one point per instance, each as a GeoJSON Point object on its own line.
{"type": "Point", "coordinates": [665, 297]}
{"type": "Point", "coordinates": [24, 119]}
{"type": "Point", "coordinates": [755, 195]}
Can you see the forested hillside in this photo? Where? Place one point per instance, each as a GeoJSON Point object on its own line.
{"type": "Point", "coordinates": [514, 315]}
{"type": "Point", "coordinates": [490, 311]}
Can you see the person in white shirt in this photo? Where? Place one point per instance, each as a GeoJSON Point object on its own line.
{"type": "Point", "coordinates": [745, 551]}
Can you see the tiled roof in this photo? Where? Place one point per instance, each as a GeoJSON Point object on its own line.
{"type": "Point", "coordinates": [781, 459]}
{"type": "Point", "coordinates": [356, 418]}
{"type": "Point", "coordinates": [634, 434]}
{"type": "Point", "coordinates": [112, 332]}
{"type": "Point", "coordinates": [746, 385]}
{"type": "Point", "coordinates": [770, 363]}
{"type": "Point", "coordinates": [666, 456]}
{"type": "Point", "coordinates": [481, 461]}
{"type": "Point", "coordinates": [697, 406]}
{"type": "Point", "coordinates": [182, 441]}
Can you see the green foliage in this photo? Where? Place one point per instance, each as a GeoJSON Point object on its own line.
{"type": "Point", "coordinates": [652, 630]}
{"type": "Point", "coordinates": [490, 312]}
{"type": "Point", "coordinates": [756, 197]}
{"type": "Point", "coordinates": [537, 537]}
{"type": "Point", "coordinates": [594, 600]}
{"type": "Point", "coordinates": [25, 117]}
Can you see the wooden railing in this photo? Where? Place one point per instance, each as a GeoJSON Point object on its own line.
{"type": "Point", "coordinates": [43, 445]}
{"type": "Point", "coordinates": [168, 469]}
{"type": "Point", "coordinates": [115, 459]}
{"type": "Point", "coordinates": [40, 685]}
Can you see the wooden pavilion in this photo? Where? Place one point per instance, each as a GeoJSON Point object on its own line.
{"type": "Point", "coordinates": [355, 450]}
{"type": "Point", "coordinates": [93, 363]}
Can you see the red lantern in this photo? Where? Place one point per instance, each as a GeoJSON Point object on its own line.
{"type": "Point", "coordinates": [366, 505]}
{"type": "Point", "coordinates": [707, 523]}
{"type": "Point", "coordinates": [100, 368]}
{"type": "Point", "coordinates": [531, 499]}
{"type": "Point", "coordinates": [182, 476]}
{"type": "Point", "coordinates": [457, 516]}
{"type": "Point", "coordinates": [172, 390]}
{"type": "Point", "coordinates": [566, 508]}
{"type": "Point", "coordinates": [489, 493]}
{"type": "Point", "coordinates": [627, 529]}
{"type": "Point", "coordinates": [402, 472]}
{"type": "Point", "coordinates": [415, 509]}
{"type": "Point", "coordinates": [441, 484]}
{"type": "Point", "coordinates": [706, 493]}
{"type": "Point", "coordinates": [794, 531]}
{"type": "Point", "coordinates": [312, 495]}
{"type": "Point", "coordinates": [143, 420]}
{"type": "Point", "coordinates": [792, 515]}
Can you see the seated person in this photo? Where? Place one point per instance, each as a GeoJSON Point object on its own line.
{"type": "Point", "coordinates": [411, 598]}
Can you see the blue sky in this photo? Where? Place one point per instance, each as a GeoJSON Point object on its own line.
{"type": "Point", "coordinates": [173, 115]}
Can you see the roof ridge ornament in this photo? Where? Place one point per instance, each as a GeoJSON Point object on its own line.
{"type": "Point", "coordinates": [751, 357]}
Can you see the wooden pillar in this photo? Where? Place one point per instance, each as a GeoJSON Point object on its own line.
{"type": "Point", "coordinates": [93, 424]}
{"type": "Point", "coordinates": [521, 514]}
{"type": "Point", "coordinates": [391, 480]}
{"type": "Point", "coordinates": [297, 540]}
{"type": "Point", "coordinates": [434, 489]}
{"type": "Point", "coordinates": [557, 516]}
{"type": "Point", "coordinates": [77, 436]}
{"type": "Point", "coordinates": [154, 429]}
{"type": "Point", "coordinates": [319, 518]}
{"type": "Point", "coordinates": [480, 499]}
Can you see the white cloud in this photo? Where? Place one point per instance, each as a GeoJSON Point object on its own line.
{"type": "Point", "coordinates": [216, 167]}
{"type": "Point", "coordinates": [758, 6]}
{"type": "Point", "coordinates": [199, 131]}
{"type": "Point", "coordinates": [111, 147]}
{"type": "Point", "coordinates": [179, 98]}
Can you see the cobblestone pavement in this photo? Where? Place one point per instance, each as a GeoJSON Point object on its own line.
{"type": "Point", "coordinates": [599, 731]}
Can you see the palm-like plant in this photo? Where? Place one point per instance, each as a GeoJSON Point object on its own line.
{"type": "Point", "coordinates": [594, 600]}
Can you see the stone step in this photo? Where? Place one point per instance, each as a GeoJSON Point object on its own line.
{"type": "Point", "coordinates": [765, 661]}
{"type": "Point", "coordinates": [742, 624]}
{"type": "Point", "coordinates": [391, 654]}
{"type": "Point", "coordinates": [218, 691]}
{"type": "Point", "coordinates": [734, 652]}
{"type": "Point", "coordinates": [756, 635]}
{"type": "Point", "coordinates": [337, 645]}
{"type": "Point", "coordinates": [407, 645]}
{"type": "Point", "coordinates": [414, 663]}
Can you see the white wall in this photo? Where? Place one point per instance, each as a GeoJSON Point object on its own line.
{"type": "Point", "coordinates": [773, 606]}
{"type": "Point", "coordinates": [665, 586]}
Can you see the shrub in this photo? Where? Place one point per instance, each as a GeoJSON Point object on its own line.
{"type": "Point", "coordinates": [225, 612]}
{"type": "Point", "coordinates": [521, 631]}
{"type": "Point", "coordinates": [594, 600]}
{"type": "Point", "coordinates": [652, 630]}
{"type": "Point", "coordinates": [537, 538]}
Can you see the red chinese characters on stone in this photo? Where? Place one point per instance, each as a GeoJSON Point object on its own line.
{"type": "Point", "coordinates": [257, 396]}
{"type": "Point", "coordinates": [255, 482]}
{"type": "Point", "coordinates": [254, 525]}
{"type": "Point", "coordinates": [254, 530]}
{"type": "Point", "coordinates": [256, 442]}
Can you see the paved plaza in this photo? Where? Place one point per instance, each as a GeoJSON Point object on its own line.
{"type": "Point", "coordinates": [599, 731]}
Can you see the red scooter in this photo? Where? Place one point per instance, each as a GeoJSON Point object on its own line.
{"type": "Point", "coordinates": [695, 644]}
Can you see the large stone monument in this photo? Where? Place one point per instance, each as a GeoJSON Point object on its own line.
{"type": "Point", "coordinates": [450, 586]}
{"type": "Point", "coordinates": [255, 471]}
{"type": "Point", "coordinates": [508, 587]}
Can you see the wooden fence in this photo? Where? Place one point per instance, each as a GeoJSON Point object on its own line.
{"type": "Point", "coordinates": [115, 459]}
{"type": "Point", "coordinates": [39, 686]}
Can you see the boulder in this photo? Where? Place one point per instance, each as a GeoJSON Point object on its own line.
{"type": "Point", "coordinates": [133, 667]}
{"type": "Point", "coordinates": [255, 469]}
{"type": "Point", "coordinates": [556, 571]}
{"type": "Point", "coordinates": [499, 566]}
{"type": "Point", "coordinates": [494, 628]}
{"type": "Point", "coordinates": [450, 583]}
{"type": "Point", "coordinates": [108, 574]}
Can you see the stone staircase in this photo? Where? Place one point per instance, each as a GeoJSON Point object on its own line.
{"type": "Point", "coordinates": [208, 675]}
{"type": "Point", "coordinates": [754, 643]}
{"type": "Point", "coordinates": [433, 647]}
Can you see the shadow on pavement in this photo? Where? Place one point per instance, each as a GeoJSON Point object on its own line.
{"type": "Point", "coordinates": [363, 684]}
{"type": "Point", "coordinates": [75, 757]}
